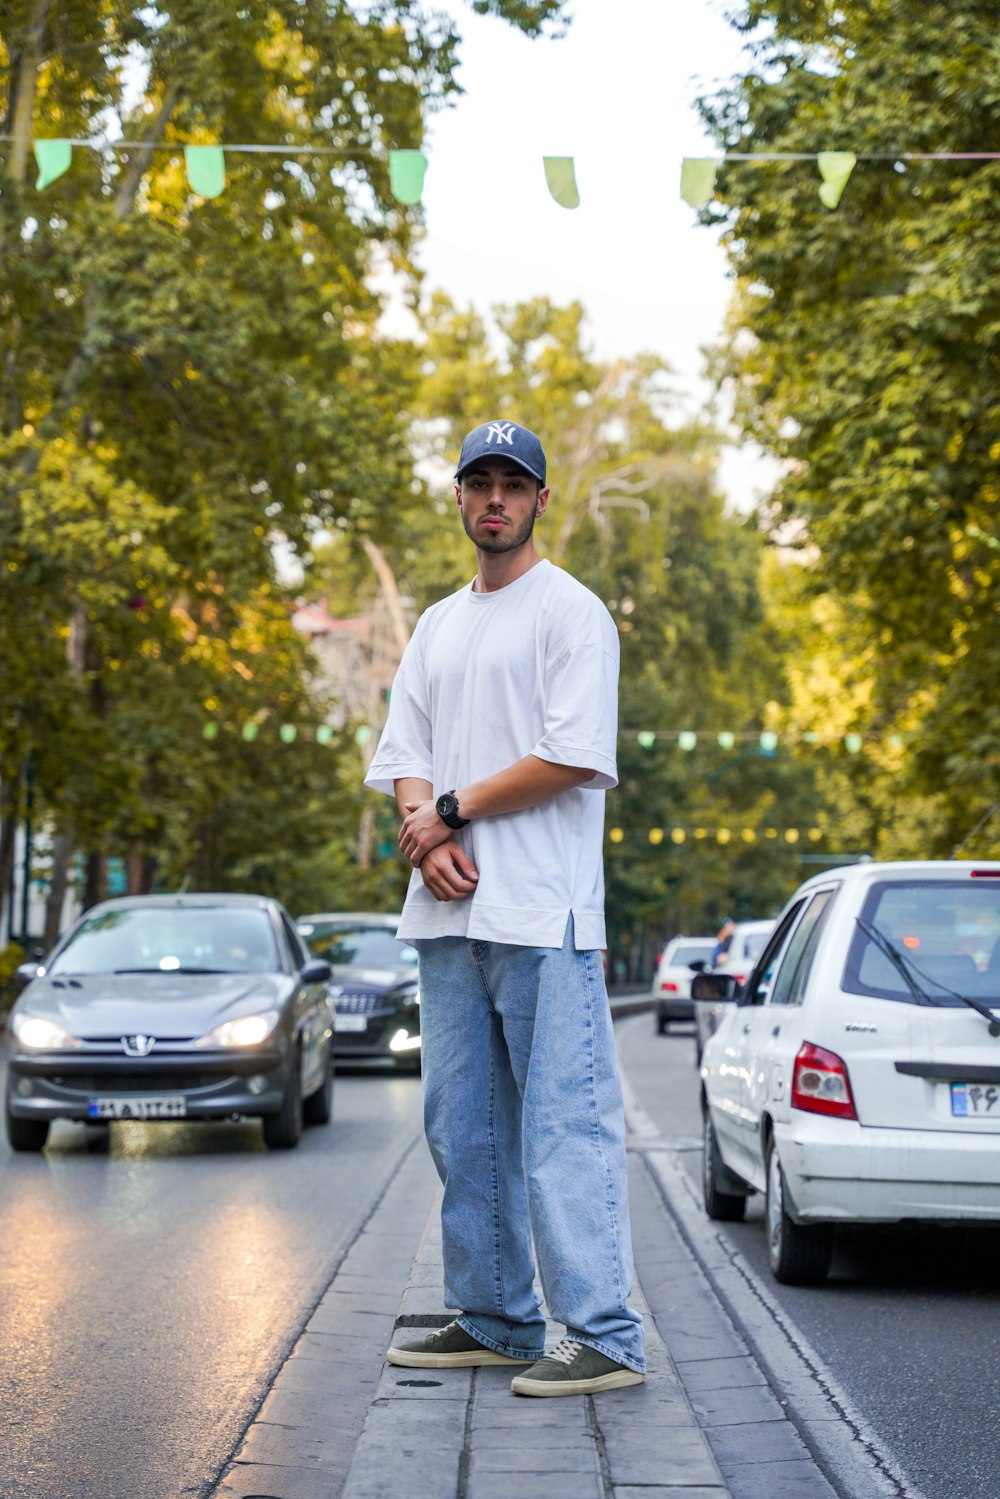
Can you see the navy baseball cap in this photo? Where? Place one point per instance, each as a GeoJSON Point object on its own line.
{"type": "Point", "coordinates": [503, 440]}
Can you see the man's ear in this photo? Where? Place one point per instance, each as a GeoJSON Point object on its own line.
{"type": "Point", "coordinates": [458, 495]}
{"type": "Point", "coordinates": [541, 504]}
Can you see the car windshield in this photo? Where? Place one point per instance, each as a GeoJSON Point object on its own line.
{"type": "Point", "coordinates": [171, 939]}
{"type": "Point", "coordinates": [947, 930]}
{"type": "Point", "coordinates": [692, 952]}
{"type": "Point", "coordinates": [359, 946]}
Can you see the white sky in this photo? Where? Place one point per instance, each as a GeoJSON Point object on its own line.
{"type": "Point", "coordinates": [617, 93]}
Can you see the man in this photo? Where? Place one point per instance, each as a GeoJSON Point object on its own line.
{"type": "Point", "coordinates": [499, 745]}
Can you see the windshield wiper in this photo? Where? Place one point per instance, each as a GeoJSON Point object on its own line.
{"type": "Point", "coordinates": [175, 970]}
{"type": "Point", "coordinates": [906, 969]}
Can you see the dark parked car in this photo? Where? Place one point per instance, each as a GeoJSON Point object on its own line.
{"type": "Point", "coordinates": [173, 1007]}
{"type": "Point", "coordinates": [375, 986]}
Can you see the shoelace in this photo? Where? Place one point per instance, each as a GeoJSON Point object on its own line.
{"type": "Point", "coordinates": [442, 1332]}
{"type": "Point", "coordinates": [565, 1352]}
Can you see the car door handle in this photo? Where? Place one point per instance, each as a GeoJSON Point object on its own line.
{"type": "Point", "coordinates": [746, 1029]}
{"type": "Point", "coordinates": [776, 1031]}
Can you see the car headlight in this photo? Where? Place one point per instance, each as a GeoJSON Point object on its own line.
{"type": "Point", "coordinates": [410, 999]}
{"type": "Point", "coordinates": [38, 1034]}
{"type": "Point", "coordinates": [247, 1030]}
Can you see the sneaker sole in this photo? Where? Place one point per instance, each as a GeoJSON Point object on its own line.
{"type": "Point", "coordinates": [523, 1385]}
{"type": "Point", "coordinates": [406, 1360]}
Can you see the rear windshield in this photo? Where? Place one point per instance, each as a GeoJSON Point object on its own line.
{"type": "Point", "coordinates": [753, 943]}
{"type": "Point", "coordinates": [948, 931]}
{"type": "Point", "coordinates": [362, 946]}
{"type": "Point", "coordinates": [693, 952]}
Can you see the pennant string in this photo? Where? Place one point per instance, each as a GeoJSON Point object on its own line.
{"type": "Point", "coordinates": [407, 170]}
{"type": "Point", "coordinates": [560, 175]}
{"type": "Point", "coordinates": [53, 157]}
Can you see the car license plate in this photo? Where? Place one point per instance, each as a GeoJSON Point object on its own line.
{"type": "Point", "coordinates": [975, 1100]}
{"type": "Point", "coordinates": [137, 1108]}
{"type": "Point", "coordinates": [350, 1023]}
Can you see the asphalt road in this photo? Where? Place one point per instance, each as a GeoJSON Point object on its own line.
{"type": "Point", "coordinates": [908, 1321]}
{"type": "Point", "coordinates": [150, 1289]}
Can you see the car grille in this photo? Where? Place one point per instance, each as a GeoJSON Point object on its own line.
{"type": "Point", "coordinates": [94, 1083]}
{"type": "Point", "coordinates": [355, 1003]}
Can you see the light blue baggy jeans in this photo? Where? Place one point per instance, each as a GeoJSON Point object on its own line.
{"type": "Point", "coordinates": [524, 1118]}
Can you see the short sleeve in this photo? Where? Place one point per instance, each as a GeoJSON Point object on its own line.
{"type": "Point", "coordinates": [581, 708]}
{"type": "Point", "coordinates": [404, 748]}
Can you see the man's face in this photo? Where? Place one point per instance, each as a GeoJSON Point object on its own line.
{"type": "Point", "coordinates": [499, 503]}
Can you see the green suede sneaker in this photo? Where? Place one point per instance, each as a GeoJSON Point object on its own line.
{"type": "Point", "coordinates": [574, 1369]}
{"type": "Point", "coordinates": [449, 1347]}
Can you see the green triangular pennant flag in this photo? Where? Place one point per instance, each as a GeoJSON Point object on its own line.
{"type": "Point", "coordinates": [53, 158]}
{"type": "Point", "coordinates": [698, 179]}
{"type": "Point", "coordinates": [834, 167]}
{"type": "Point", "coordinates": [561, 178]}
{"type": "Point", "coordinates": [206, 169]}
{"type": "Point", "coordinates": [406, 175]}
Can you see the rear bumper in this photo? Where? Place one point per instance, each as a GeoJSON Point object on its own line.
{"type": "Point", "coordinates": [840, 1171]}
{"type": "Point", "coordinates": [673, 1007]}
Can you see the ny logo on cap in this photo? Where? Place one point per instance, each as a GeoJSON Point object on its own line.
{"type": "Point", "coordinates": [502, 431]}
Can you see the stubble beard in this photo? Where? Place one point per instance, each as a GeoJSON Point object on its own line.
{"type": "Point", "coordinates": [501, 541]}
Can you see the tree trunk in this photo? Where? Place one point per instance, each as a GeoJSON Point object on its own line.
{"type": "Point", "coordinates": [22, 112]}
{"type": "Point", "coordinates": [8, 834]}
{"type": "Point", "coordinates": [366, 835]}
{"type": "Point", "coordinates": [62, 852]}
{"type": "Point", "coordinates": [390, 593]}
{"type": "Point", "coordinates": [134, 872]}
{"type": "Point", "coordinates": [95, 884]}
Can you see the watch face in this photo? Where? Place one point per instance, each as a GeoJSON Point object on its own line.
{"type": "Point", "coordinates": [447, 805]}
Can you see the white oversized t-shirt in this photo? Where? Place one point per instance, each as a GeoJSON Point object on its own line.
{"type": "Point", "coordinates": [530, 669]}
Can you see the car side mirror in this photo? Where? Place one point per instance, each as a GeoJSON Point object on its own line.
{"type": "Point", "coordinates": [714, 987]}
{"type": "Point", "coordinates": [316, 971]}
{"type": "Point", "coordinates": [26, 972]}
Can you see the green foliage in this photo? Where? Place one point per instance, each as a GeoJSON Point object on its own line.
{"type": "Point", "coordinates": [184, 384]}
{"type": "Point", "coordinates": [634, 513]}
{"type": "Point", "coordinates": [12, 955]}
{"type": "Point", "coordinates": [873, 361]}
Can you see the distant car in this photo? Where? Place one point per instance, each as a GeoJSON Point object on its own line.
{"type": "Point", "coordinates": [173, 1007]}
{"type": "Point", "coordinates": [857, 1077]}
{"type": "Point", "coordinates": [742, 950]}
{"type": "Point", "coordinates": [374, 985]}
{"type": "Point", "coordinates": [679, 961]}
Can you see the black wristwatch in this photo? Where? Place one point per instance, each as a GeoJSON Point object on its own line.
{"type": "Point", "coordinates": [447, 809]}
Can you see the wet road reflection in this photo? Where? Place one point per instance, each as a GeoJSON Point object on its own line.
{"type": "Point", "coordinates": [152, 1278]}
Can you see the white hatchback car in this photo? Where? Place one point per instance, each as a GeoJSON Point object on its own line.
{"type": "Point", "coordinates": [857, 1078]}
{"type": "Point", "coordinates": [672, 979]}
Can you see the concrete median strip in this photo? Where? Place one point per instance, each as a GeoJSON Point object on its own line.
{"type": "Point", "coordinates": [341, 1423]}
{"type": "Point", "coordinates": [778, 1422]}
{"type": "Point", "coordinates": [481, 1442]}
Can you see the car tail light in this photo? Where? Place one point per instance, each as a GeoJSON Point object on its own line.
{"type": "Point", "coordinates": [740, 978]}
{"type": "Point", "coordinates": [985, 874]}
{"type": "Point", "coordinates": [670, 987]}
{"type": "Point", "coordinates": [820, 1083]}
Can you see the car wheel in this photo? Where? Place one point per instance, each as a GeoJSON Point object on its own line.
{"type": "Point", "coordinates": [800, 1254]}
{"type": "Point", "coordinates": [283, 1130]}
{"type": "Point", "coordinates": [722, 1206]}
{"type": "Point", "coordinates": [26, 1134]}
{"type": "Point", "coordinates": [318, 1107]}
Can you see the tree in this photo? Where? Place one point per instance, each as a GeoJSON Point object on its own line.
{"type": "Point", "coordinates": [869, 354]}
{"type": "Point", "coordinates": [636, 516]}
{"type": "Point", "coordinates": [183, 381]}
